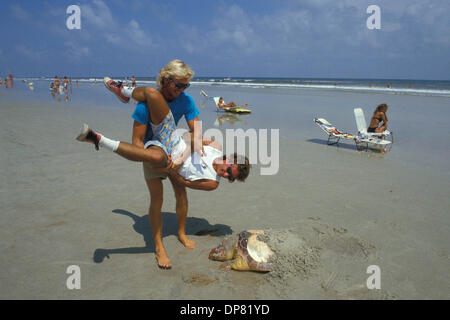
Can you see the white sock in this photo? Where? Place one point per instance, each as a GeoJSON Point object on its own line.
{"type": "Point", "coordinates": [108, 143]}
{"type": "Point", "coordinates": [127, 91]}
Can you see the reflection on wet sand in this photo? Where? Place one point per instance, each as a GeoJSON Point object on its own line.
{"type": "Point", "coordinates": [230, 119]}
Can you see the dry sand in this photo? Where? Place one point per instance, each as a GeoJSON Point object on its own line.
{"type": "Point", "coordinates": [329, 214]}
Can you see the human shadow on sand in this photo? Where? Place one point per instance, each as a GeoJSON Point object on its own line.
{"type": "Point", "coordinates": [194, 226]}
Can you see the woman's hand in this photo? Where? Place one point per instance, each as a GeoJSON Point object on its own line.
{"type": "Point", "coordinates": [175, 166]}
{"type": "Point", "coordinates": [207, 142]}
{"type": "Point", "coordinates": [165, 169]}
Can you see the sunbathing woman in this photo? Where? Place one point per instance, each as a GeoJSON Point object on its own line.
{"type": "Point", "coordinates": [232, 104]}
{"type": "Point", "coordinates": [378, 117]}
{"type": "Point", "coordinates": [188, 168]}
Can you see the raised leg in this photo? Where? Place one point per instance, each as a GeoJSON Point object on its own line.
{"type": "Point", "coordinates": [155, 102]}
{"type": "Point", "coordinates": [153, 154]}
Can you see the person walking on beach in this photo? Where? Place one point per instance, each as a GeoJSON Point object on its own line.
{"type": "Point", "coordinates": [172, 80]}
{"type": "Point", "coordinates": [378, 122]}
{"type": "Point", "coordinates": [65, 83]}
{"type": "Point", "coordinates": [57, 83]}
{"type": "Point", "coordinates": [11, 80]}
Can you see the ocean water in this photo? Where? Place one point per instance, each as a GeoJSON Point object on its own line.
{"type": "Point", "coordinates": [412, 87]}
{"type": "Point", "coordinates": [389, 86]}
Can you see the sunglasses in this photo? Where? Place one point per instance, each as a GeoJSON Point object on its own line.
{"type": "Point", "coordinates": [179, 85]}
{"type": "Point", "coordinates": [230, 174]}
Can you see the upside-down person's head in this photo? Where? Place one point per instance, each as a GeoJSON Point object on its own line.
{"type": "Point", "coordinates": [234, 167]}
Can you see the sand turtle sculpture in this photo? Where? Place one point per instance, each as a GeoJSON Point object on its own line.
{"type": "Point", "coordinates": [247, 252]}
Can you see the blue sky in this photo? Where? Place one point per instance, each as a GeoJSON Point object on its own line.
{"type": "Point", "coordinates": [260, 38]}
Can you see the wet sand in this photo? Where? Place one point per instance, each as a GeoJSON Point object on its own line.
{"type": "Point", "coordinates": [330, 212]}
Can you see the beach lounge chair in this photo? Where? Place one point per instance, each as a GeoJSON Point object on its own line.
{"type": "Point", "coordinates": [231, 109]}
{"type": "Point", "coordinates": [334, 135]}
{"type": "Point", "coordinates": [370, 140]}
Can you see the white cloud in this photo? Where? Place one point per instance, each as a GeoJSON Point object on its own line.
{"type": "Point", "coordinates": [326, 27]}
{"type": "Point", "coordinates": [33, 54]}
{"type": "Point", "coordinates": [105, 27]}
{"type": "Point", "coordinates": [137, 35]}
{"type": "Point", "coordinates": [74, 51]}
{"type": "Point", "coordinates": [19, 13]}
{"type": "Point", "coordinates": [98, 15]}
{"type": "Point", "coordinates": [232, 33]}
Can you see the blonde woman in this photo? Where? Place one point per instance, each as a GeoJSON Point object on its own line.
{"type": "Point", "coordinates": [172, 81]}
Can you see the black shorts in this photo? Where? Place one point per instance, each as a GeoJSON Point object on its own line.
{"type": "Point", "coordinates": [371, 129]}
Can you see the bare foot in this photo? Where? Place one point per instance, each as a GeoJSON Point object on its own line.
{"type": "Point", "coordinates": [188, 243]}
{"type": "Point", "coordinates": [163, 260]}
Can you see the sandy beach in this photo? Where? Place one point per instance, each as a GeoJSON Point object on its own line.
{"type": "Point", "coordinates": [330, 212]}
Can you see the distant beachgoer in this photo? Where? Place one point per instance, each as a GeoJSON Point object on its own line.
{"type": "Point", "coordinates": [232, 104]}
{"type": "Point", "coordinates": [11, 80]}
{"type": "Point", "coordinates": [6, 82]}
{"type": "Point", "coordinates": [65, 82]}
{"type": "Point", "coordinates": [378, 117]}
{"type": "Point", "coordinates": [57, 83]}
{"type": "Point", "coordinates": [133, 85]}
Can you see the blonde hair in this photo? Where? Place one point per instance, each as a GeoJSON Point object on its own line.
{"type": "Point", "coordinates": [174, 69]}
